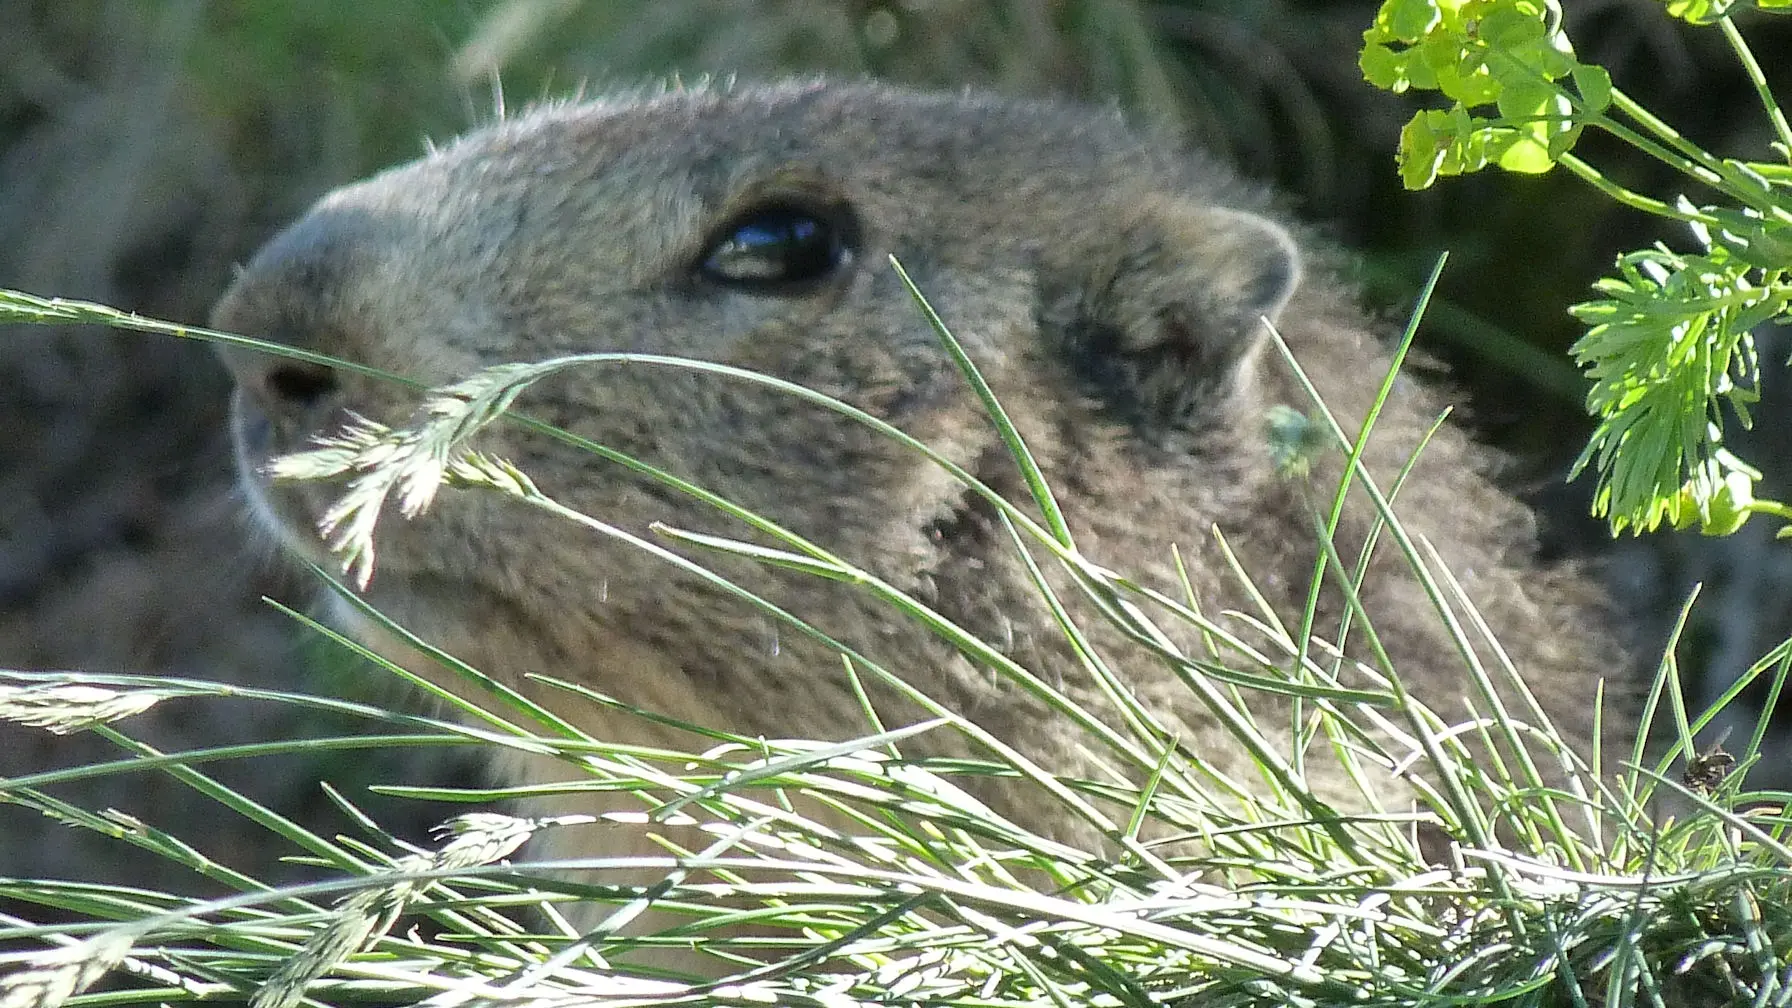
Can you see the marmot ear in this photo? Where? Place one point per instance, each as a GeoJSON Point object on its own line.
{"type": "Point", "coordinates": [1169, 320]}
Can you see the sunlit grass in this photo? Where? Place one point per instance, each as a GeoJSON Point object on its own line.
{"type": "Point", "coordinates": [869, 874]}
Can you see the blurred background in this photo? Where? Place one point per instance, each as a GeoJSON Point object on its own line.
{"type": "Point", "coordinates": [148, 145]}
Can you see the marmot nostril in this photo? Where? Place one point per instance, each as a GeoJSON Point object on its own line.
{"type": "Point", "coordinates": [294, 383]}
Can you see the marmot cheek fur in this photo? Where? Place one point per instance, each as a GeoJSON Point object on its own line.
{"type": "Point", "coordinates": [1109, 288]}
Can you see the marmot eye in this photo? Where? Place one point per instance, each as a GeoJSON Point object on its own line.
{"type": "Point", "coordinates": [776, 249]}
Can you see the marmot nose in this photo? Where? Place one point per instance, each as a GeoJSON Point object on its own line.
{"type": "Point", "coordinates": [281, 386]}
{"type": "Point", "coordinates": [296, 385]}
{"type": "Point", "coordinates": [296, 291]}
{"type": "Point", "coordinates": [280, 404]}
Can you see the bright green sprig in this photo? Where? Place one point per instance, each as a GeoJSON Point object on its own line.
{"type": "Point", "coordinates": [1668, 345]}
{"type": "Point", "coordinates": [1510, 55]}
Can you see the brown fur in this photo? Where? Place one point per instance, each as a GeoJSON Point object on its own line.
{"type": "Point", "coordinates": [1109, 288]}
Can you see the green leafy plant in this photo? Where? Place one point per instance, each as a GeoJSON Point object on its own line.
{"type": "Point", "coordinates": [1669, 342]}
{"type": "Point", "coordinates": [1496, 887]}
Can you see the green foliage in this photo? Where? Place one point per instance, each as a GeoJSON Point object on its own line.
{"type": "Point", "coordinates": [1668, 345]}
{"type": "Point", "coordinates": [1507, 54]}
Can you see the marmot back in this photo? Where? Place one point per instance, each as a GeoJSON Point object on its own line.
{"type": "Point", "coordinates": [1109, 288]}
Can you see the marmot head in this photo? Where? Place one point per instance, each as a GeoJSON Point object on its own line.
{"type": "Point", "coordinates": [1109, 289]}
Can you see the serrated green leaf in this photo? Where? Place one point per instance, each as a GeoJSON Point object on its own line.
{"type": "Point", "coordinates": [1525, 99]}
{"type": "Point", "coordinates": [1512, 26]}
{"type": "Point", "coordinates": [1384, 68]}
{"type": "Point", "coordinates": [1528, 156]}
{"type": "Point", "coordinates": [1595, 87]}
{"type": "Point", "coordinates": [1422, 148]}
{"type": "Point", "coordinates": [1555, 58]}
{"type": "Point", "coordinates": [1562, 142]}
{"type": "Point", "coordinates": [1443, 53]}
{"type": "Point", "coordinates": [1408, 20]}
{"type": "Point", "coordinates": [1485, 145]}
{"type": "Point", "coordinates": [1467, 81]}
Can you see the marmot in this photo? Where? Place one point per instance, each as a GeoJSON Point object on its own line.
{"type": "Point", "coordinates": [1110, 288]}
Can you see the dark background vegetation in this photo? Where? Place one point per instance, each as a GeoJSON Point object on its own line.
{"type": "Point", "coordinates": [147, 145]}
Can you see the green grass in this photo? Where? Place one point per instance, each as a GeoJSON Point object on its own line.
{"type": "Point", "coordinates": [1570, 884]}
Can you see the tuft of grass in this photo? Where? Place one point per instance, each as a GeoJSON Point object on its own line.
{"type": "Point", "coordinates": [1496, 886]}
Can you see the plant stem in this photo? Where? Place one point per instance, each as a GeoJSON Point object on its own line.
{"type": "Point", "coordinates": [1759, 80]}
{"type": "Point", "coordinates": [1668, 157]}
{"type": "Point", "coordinates": [1689, 151]}
{"type": "Point", "coordinates": [1770, 507]}
{"type": "Point", "coordinates": [1629, 198]}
